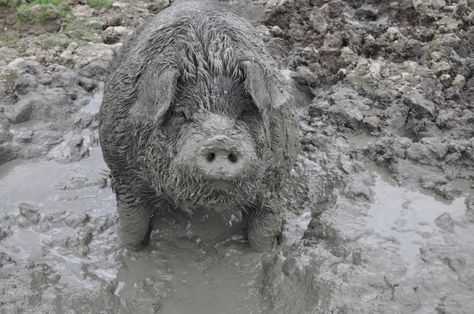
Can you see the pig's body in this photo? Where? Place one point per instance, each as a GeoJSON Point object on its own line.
{"type": "Point", "coordinates": [195, 114]}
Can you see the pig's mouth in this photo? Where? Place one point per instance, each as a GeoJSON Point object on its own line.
{"type": "Point", "coordinates": [223, 192]}
{"type": "Point", "coordinates": [222, 185]}
{"type": "Point", "coordinates": [190, 189]}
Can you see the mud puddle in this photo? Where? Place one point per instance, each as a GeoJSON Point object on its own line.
{"type": "Point", "coordinates": [93, 106]}
{"type": "Point", "coordinates": [58, 220]}
{"type": "Point", "coordinates": [361, 140]}
{"type": "Point", "coordinates": [53, 186]}
{"type": "Point", "coordinates": [202, 264]}
{"type": "Point", "coordinates": [393, 248]}
{"type": "Point", "coordinates": [59, 249]}
{"type": "Point", "coordinates": [407, 220]}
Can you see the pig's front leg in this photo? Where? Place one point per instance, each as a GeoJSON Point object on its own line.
{"type": "Point", "coordinates": [134, 221]}
{"type": "Point", "coordinates": [262, 226]}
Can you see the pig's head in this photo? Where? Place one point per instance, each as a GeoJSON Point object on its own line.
{"type": "Point", "coordinates": [212, 134]}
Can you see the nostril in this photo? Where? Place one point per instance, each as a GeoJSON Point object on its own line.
{"type": "Point", "coordinates": [232, 157]}
{"type": "Point", "coordinates": [210, 157]}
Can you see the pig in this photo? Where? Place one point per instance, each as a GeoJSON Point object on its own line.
{"type": "Point", "coordinates": [197, 115]}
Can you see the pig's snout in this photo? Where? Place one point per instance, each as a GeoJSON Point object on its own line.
{"type": "Point", "coordinates": [222, 159]}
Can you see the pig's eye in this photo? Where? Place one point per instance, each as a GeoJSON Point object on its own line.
{"type": "Point", "coordinates": [248, 111]}
{"type": "Point", "coordinates": [182, 113]}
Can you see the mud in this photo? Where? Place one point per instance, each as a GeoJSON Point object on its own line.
{"type": "Point", "coordinates": [381, 215]}
{"type": "Point", "coordinates": [59, 243]}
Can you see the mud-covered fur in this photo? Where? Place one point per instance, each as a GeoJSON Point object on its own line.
{"type": "Point", "coordinates": [194, 71]}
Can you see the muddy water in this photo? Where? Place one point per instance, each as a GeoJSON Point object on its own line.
{"type": "Point", "coordinates": [361, 140]}
{"type": "Point", "coordinates": [408, 219]}
{"type": "Point", "coordinates": [93, 106]}
{"type": "Point", "coordinates": [208, 266]}
{"type": "Point", "coordinates": [396, 248]}
{"type": "Point", "coordinates": [60, 252]}
{"type": "Point", "coordinates": [196, 264]}
{"type": "Point", "coordinates": [54, 186]}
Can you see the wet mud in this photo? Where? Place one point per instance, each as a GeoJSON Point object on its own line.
{"type": "Point", "coordinates": [380, 215]}
{"type": "Point", "coordinates": [60, 242]}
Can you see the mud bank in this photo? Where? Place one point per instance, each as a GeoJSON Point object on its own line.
{"type": "Point", "coordinates": [381, 215]}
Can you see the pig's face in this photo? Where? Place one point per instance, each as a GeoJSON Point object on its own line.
{"type": "Point", "coordinates": [216, 146]}
{"type": "Point", "coordinates": [211, 143]}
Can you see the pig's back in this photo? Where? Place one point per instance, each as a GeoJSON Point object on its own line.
{"type": "Point", "coordinates": [201, 27]}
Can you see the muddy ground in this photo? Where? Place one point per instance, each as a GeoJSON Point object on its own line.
{"type": "Point", "coordinates": [381, 215]}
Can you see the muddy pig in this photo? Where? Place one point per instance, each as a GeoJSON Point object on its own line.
{"type": "Point", "coordinates": [197, 115]}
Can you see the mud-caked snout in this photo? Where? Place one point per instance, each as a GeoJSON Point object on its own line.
{"type": "Point", "coordinates": [220, 158]}
{"type": "Point", "coordinates": [216, 154]}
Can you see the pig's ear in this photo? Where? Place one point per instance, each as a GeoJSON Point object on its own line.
{"type": "Point", "coordinates": [156, 92]}
{"type": "Point", "coordinates": [264, 87]}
